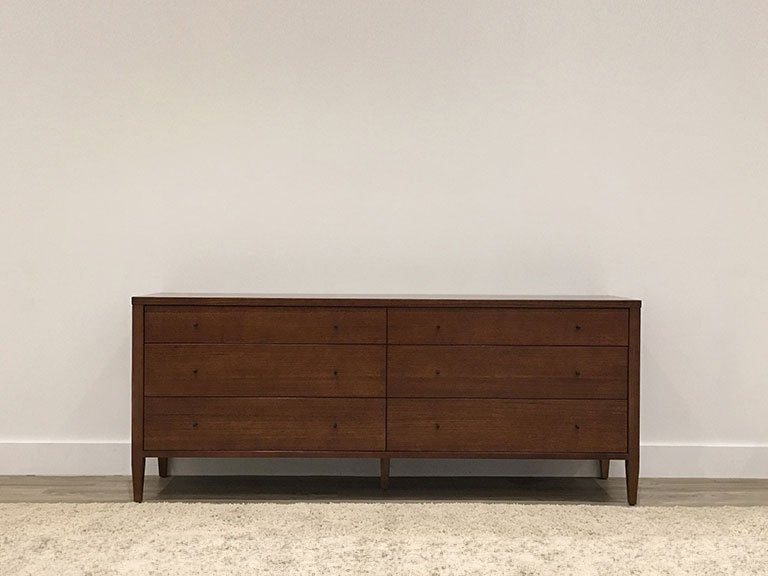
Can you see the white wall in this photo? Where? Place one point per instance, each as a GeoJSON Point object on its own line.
{"type": "Point", "coordinates": [445, 146]}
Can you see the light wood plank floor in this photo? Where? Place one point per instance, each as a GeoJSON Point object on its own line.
{"type": "Point", "coordinates": [653, 492]}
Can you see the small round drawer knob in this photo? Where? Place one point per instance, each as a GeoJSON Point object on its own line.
{"type": "Point", "coordinates": [578, 373]}
{"type": "Point", "coordinates": [577, 427]}
{"type": "Point", "coordinates": [335, 425]}
{"type": "Point", "coordinates": [437, 426]}
{"type": "Point", "coordinates": [195, 324]}
{"type": "Point", "coordinates": [437, 327]}
{"type": "Point", "coordinates": [578, 327]}
{"type": "Point", "coordinates": [437, 372]}
{"type": "Point", "coordinates": [335, 372]}
{"type": "Point", "coordinates": [194, 371]}
{"type": "Point", "coordinates": [335, 326]}
{"type": "Point", "coordinates": [194, 424]}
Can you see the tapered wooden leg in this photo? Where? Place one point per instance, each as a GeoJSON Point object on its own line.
{"type": "Point", "coordinates": [137, 468]}
{"type": "Point", "coordinates": [162, 465]}
{"type": "Point", "coordinates": [633, 471]}
{"type": "Point", "coordinates": [605, 466]}
{"type": "Point", "coordinates": [385, 473]}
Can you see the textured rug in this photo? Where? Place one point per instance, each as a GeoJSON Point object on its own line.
{"type": "Point", "coordinates": [380, 539]}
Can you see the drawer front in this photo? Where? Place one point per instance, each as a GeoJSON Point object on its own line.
{"type": "Point", "coordinates": [264, 424]}
{"type": "Point", "coordinates": [264, 325]}
{"type": "Point", "coordinates": [456, 425]}
{"type": "Point", "coordinates": [507, 371]}
{"type": "Point", "coordinates": [567, 327]}
{"type": "Point", "coordinates": [264, 370]}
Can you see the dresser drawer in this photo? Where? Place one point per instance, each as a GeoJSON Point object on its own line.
{"type": "Point", "coordinates": [456, 425]}
{"type": "Point", "coordinates": [585, 327]}
{"type": "Point", "coordinates": [507, 371]}
{"type": "Point", "coordinates": [264, 370]}
{"type": "Point", "coordinates": [264, 424]}
{"type": "Point", "coordinates": [264, 324]}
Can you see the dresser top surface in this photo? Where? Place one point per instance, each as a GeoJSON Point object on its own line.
{"type": "Point", "coordinates": [403, 300]}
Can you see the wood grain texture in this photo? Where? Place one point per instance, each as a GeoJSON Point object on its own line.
{"type": "Point", "coordinates": [264, 424]}
{"type": "Point", "coordinates": [569, 327]}
{"type": "Point", "coordinates": [506, 372]}
{"type": "Point", "coordinates": [386, 377]}
{"type": "Point", "coordinates": [507, 425]}
{"type": "Point", "coordinates": [265, 325]}
{"type": "Point", "coordinates": [265, 370]}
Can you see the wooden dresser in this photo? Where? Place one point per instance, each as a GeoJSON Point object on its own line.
{"type": "Point", "coordinates": [385, 377]}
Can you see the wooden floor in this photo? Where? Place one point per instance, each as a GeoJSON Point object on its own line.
{"type": "Point", "coordinates": [653, 492]}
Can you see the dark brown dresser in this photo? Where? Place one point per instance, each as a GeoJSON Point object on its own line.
{"type": "Point", "coordinates": [385, 377]}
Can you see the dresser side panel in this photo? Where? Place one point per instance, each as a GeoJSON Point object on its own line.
{"type": "Point", "coordinates": [137, 380]}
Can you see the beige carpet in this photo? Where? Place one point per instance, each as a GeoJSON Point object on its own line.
{"type": "Point", "coordinates": [380, 538]}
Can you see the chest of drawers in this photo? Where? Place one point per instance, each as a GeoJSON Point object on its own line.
{"type": "Point", "coordinates": [385, 377]}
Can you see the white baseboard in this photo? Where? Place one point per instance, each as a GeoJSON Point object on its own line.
{"type": "Point", "coordinates": [113, 458]}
